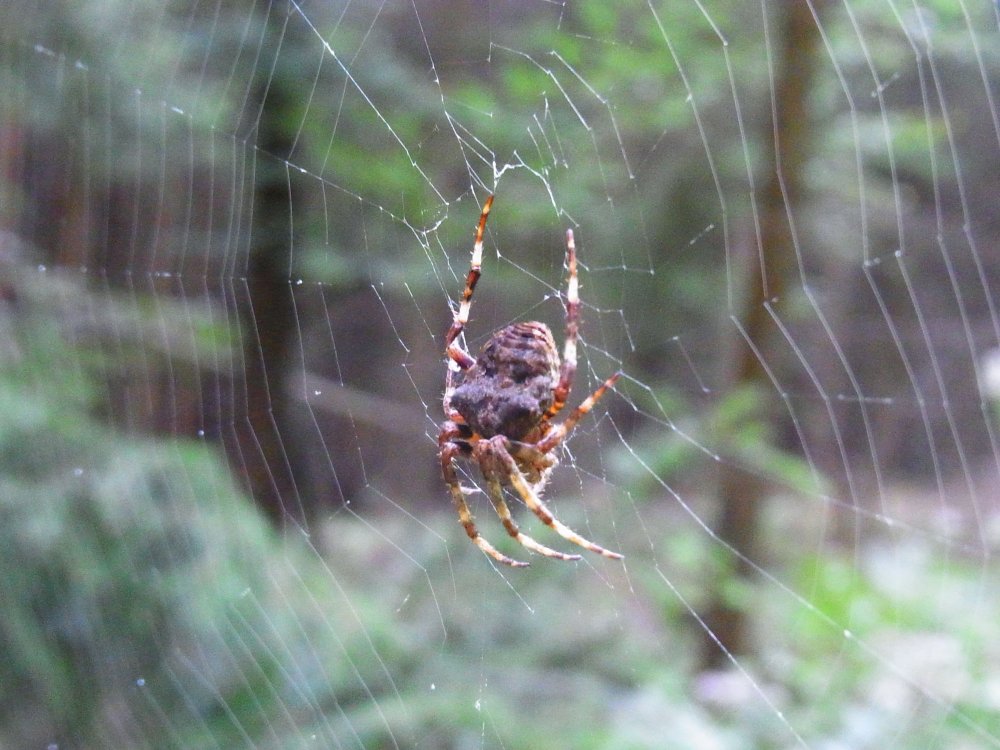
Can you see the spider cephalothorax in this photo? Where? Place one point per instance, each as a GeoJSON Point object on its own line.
{"type": "Point", "coordinates": [499, 414]}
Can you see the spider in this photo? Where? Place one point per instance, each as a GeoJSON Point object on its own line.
{"type": "Point", "coordinates": [500, 414]}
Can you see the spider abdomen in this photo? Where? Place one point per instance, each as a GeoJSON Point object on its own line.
{"type": "Point", "coordinates": [520, 351]}
{"type": "Point", "coordinates": [509, 389]}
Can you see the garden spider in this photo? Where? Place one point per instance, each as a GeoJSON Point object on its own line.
{"type": "Point", "coordinates": [500, 414]}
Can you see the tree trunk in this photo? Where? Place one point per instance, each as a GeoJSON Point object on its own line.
{"type": "Point", "coordinates": [768, 272]}
{"type": "Point", "coordinates": [267, 314]}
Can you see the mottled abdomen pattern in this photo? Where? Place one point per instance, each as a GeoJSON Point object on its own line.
{"type": "Point", "coordinates": [509, 389]}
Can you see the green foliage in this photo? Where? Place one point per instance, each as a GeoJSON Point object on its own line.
{"type": "Point", "coordinates": [743, 423]}
{"type": "Point", "coordinates": [890, 601]}
{"type": "Point", "coordinates": [739, 427]}
{"type": "Point", "coordinates": [108, 542]}
{"type": "Point", "coordinates": [554, 659]}
{"type": "Point", "coordinates": [142, 590]}
{"type": "Point", "coordinates": [142, 586]}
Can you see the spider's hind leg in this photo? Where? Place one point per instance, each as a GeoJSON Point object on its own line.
{"type": "Point", "coordinates": [459, 360]}
{"type": "Point", "coordinates": [568, 368]}
{"type": "Point", "coordinates": [475, 271]}
{"type": "Point", "coordinates": [559, 432]}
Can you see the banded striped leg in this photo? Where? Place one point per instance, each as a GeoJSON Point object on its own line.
{"type": "Point", "coordinates": [495, 492]}
{"type": "Point", "coordinates": [459, 359]}
{"type": "Point", "coordinates": [519, 483]}
{"type": "Point", "coordinates": [449, 451]}
{"type": "Point", "coordinates": [535, 464]}
{"type": "Point", "coordinates": [568, 369]}
{"type": "Point", "coordinates": [559, 432]}
{"type": "Point", "coordinates": [454, 351]}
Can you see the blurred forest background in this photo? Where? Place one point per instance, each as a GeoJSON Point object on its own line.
{"type": "Point", "coordinates": [230, 233]}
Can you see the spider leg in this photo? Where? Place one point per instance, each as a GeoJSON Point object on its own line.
{"type": "Point", "coordinates": [559, 432]}
{"type": "Point", "coordinates": [449, 390]}
{"type": "Point", "coordinates": [531, 499]}
{"type": "Point", "coordinates": [449, 451]}
{"type": "Point", "coordinates": [537, 465]}
{"type": "Point", "coordinates": [458, 358]}
{"type": "Point", "coordinates": [495, 492]}
{"type": "Point", "coordinates": [568, 368]}
{"type": "Point", "coordinates": [475, 271]}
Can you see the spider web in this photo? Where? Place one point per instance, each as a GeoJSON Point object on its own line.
{"type": "Point", "coordinates": [233, 239]}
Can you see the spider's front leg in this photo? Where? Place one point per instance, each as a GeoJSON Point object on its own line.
{"type": "Point", "coordinates": [449, 451]}
{"type": "Point", "coordinates": [495, 491]}
{"type": "Point", "coordinates": [524, 489]}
